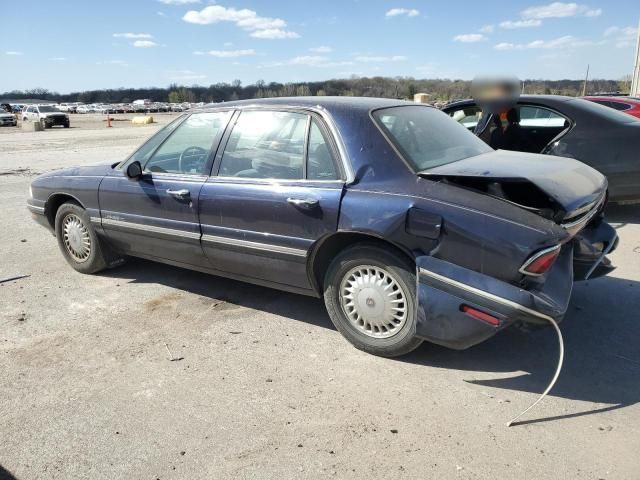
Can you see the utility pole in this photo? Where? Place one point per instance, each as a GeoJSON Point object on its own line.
{"type": "Point", "coordinates": [635, 78]}
{"type": "Point", "coordinates": [586, 79]}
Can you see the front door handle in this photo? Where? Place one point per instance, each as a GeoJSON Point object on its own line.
{"type": "Point", "coordinates": [181, 194]}
{"type": "Point", "coordinates": [303, 202]}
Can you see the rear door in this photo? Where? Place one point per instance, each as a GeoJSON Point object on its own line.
{"type": "Point", "coordinates": [157, 214]}
{"type": "Point", "coordinates": [276, 190]}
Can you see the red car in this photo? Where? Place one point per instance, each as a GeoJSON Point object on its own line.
{"type": "Point", "coordinates": [628, 105]}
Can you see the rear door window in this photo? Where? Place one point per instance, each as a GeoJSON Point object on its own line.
{"type": "Point", "coordinates": [467, 116]}
{"type": "Point", "coordinates": [531, 116]}
{"type": "Point", "coordinates": [266, 144]}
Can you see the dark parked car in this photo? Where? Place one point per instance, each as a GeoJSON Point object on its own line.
{"type": "Point", "coordinates": [628, 105]}
{"type": "Point", "coordinates": [601, 137]}
{"type": "Point", "coordinates": [410, 226]}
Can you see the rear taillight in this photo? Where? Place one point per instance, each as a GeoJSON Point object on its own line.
{"type": "Point", "coordinates": [540, 262]}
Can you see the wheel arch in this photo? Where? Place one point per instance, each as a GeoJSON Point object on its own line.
{"type": "Point", "coordinates": [53, 204]}
{"type": "Point", "coordinates": [325, 250]}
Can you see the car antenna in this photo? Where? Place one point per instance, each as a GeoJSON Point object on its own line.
{"type": "Point", "coordinates": [555, 376]}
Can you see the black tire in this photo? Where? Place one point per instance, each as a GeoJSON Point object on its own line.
{"type": "Point", "coordinates": [96, 260]}
{"type": "Point", "coordinates": [401, 271]}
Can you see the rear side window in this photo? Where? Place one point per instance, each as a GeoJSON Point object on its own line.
{"type": "Point", "coordinates": [427, 137]}
{"type": "Point", "coordinates": [531, 116]}
{"type": "Point", "coordinates": [320, 164]}
{"type": "Point", "coordinates": [265, 144]}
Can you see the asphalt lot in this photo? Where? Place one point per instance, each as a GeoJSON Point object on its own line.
{"type": "Point", "coordinates": [266, 387]}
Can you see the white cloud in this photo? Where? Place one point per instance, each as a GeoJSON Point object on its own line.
{"type": "Point", "coordinates": [58, 59]}
{"type": "Point", "coordinates": [310, 60]}
{"type": "Point", "coordinates": [565, 42]}
{"type": "Point", "coordinates": [13, 53]}
{"type": "Point", "coordinates": [505, 46]}
{"type": "Point", "coordinates": [470, 38]}
{"type": "Point", "coordinates": [487, 29]}
{"type": "Point", "coordinates": [228, 44]}
{"type": "Point", "coordinates": [132, 36]}
{"type": "Point", "coordinates": [160, 14]}
{"type": "Point", "coordinates": [408, 12]}
{"type": "Point", "coordinates": [321, 49]}
{"type": "Point", "coordinates": [227, 53]}
{"type": "Point", "coordinates": [249, 20]}
{"type": "Point", "coordinates": [380, 59]}
{"type": "Point", "coordinates": [274, 34]}
{"type": "Point", "coordinates": [144, 44]}
{"type": "Point", "coordinates": [623, 37]}
{"type": "Point", "coordinates": [510, 25]}
{"type": "Point", "coordinates": [559, 10]}
{"type": "Point", "coordinates": [178, 2]}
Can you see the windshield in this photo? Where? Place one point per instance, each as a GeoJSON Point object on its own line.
{"type": "Point", "coordinates": [427, 137]}
{"type": "Point", "coordinates": [47, 109]}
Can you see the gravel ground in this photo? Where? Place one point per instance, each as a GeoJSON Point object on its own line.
{"type": "Point", "coordinates": [264, 387]}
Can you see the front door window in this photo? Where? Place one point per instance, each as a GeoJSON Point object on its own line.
{"type": "Point", "coordinates": [187, 149]}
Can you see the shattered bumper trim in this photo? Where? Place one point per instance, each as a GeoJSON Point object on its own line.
{"type": "Point", "coordinates": [445, 288]}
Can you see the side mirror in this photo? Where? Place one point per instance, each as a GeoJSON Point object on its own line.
{"type": "Point", "coordinates": [134, 170]}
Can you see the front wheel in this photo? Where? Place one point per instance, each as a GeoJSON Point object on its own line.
{"type": "Point", "coordinates": [78, 240]}
{"type": "Point", "coordinates": [370, 294]}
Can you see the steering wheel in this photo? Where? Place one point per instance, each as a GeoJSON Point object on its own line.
{"type": "Point", "coordinates": [190, 157]}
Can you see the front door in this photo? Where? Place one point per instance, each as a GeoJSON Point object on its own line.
{"type": "Point", "coordinates": [157, 215]}
{"type": "Point", "coordinates": [277, 191]}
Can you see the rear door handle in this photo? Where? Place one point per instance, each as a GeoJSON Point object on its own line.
{"type": "Point", "coordinates": [303, 202]}
{"type": "Point", "coordinates": [182, 193]}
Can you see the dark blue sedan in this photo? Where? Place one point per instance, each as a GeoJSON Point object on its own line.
{"type": "Point", "coordinates": [410, 226]}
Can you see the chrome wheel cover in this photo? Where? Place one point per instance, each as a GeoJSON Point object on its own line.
{"type": "Point", "coordinates": [76, 238]}
{"type": "Point", "coordinates": [373, 301]}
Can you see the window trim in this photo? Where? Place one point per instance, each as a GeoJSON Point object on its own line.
{"type": "Point", "coordinates": [334, 149]}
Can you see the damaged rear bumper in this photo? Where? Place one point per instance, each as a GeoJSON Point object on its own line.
{"type": "Point", "coordinates": [445, 289]}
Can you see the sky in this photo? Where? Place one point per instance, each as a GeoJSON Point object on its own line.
{"type": "Point", "coordinates": [75, 45]}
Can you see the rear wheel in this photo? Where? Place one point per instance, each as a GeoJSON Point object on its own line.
{"type": "Point", "coordinates": [370, 297]}
{"type": "Point", "coordinates": [77, 239]}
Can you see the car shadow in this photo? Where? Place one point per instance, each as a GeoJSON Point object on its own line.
{"type": "Point", "coordinates": [289, 305]}
{"type": "Point", "coordinates": [602, 361]}
{"type": "Point", "coordinates": [6, 474]}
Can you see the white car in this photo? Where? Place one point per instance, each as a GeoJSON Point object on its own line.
{"type": "Point", "coordinates": [47, 115]}
{"type": "Point", "coordinates": [83, 109]}
{"type": "Point", "coordinates": [67, 107]}
{"type": "Point", "coordinates": [8, 119]}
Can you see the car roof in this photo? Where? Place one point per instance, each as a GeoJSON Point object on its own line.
{"type": "Point", "coordinates": [328, 103]}
{"type": "Point", "coordinates": [612, 99]}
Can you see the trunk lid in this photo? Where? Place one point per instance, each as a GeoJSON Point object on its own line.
{"type": "Point", "coordinates": [558, 188]}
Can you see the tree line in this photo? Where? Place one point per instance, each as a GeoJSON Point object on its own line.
{"type": "Point", "coordinates": [398, 87]}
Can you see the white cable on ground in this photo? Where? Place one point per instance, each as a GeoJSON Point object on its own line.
{"type": "Point", "coordinates": [555, 377]}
